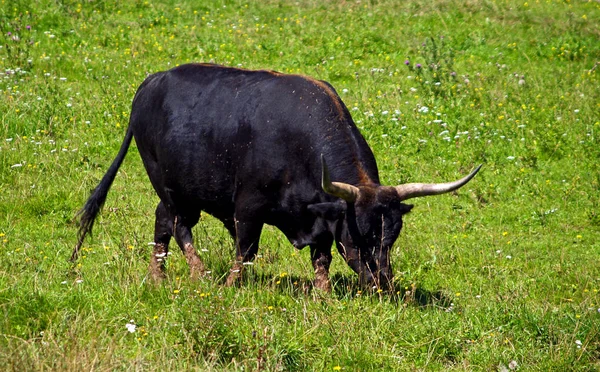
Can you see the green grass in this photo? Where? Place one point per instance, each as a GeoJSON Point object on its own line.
{"type": "Point", "coordinates": [506, 269]}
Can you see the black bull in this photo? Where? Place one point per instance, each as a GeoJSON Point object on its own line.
{"type": "Point", "coordinates": [249, 147]}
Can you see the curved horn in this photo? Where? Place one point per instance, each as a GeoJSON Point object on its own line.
{"type": "Point", "coordinates": [342, 190]}
{"type": "Point", "coordinates": [414, 190]}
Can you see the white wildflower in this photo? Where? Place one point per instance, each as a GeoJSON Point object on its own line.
{"type": "Point", "coordinates": [131, 326]}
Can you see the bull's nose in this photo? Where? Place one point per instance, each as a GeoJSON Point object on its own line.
{"type": "Point", "coordinates": [375, 283]}
{"type": "Point", "coordinates": [386, 281]}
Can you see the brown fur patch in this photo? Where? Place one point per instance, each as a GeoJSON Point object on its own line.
{"type": "Point", "coordinates": [363, 177]}
{"type": "Point", "coordinates": [386, 194]}
{"type": "Point", "coordinates": [368, 194]}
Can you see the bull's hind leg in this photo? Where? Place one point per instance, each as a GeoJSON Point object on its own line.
{"type": "Point", "coordinates": [167, 226]}
{"type": "Point", "coordinates": [182, 231]}
{"type": "Point", "coordinates": [163, 230]}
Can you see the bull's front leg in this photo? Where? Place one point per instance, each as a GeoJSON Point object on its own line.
{"type": "Point", "coordinates": [320, 255]}
{"type": "Point", "coordinates": [247, 233]}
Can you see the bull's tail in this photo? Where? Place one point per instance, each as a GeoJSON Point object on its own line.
{"type": "Point", "coordinates": [87, 215]}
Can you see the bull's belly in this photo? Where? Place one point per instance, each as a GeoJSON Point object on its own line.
{"type": "Point", "coordinates": [219, 205]}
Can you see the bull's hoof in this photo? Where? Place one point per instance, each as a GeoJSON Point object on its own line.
{"type": "Point", "coordinates": [235, 275]}
{"type": "Point", "coordinates": [323, 285]}
{"type": "Point", "coordinates": [157, 275]}
{"type": "Point", "coordinates": [197, 271]}
{"type": "Point", "coordinates": [322, 281]}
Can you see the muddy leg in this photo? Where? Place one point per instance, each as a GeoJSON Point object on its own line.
{"type": "Point", "coordinates": [320, 255]}
{"type": "Point", "coordinates": [248, 235]}
{"type": "Point", "coordinates": [182, 231]}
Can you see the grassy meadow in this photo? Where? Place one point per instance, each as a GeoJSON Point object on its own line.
{"type": "Point", "coordinates": [502, 275]}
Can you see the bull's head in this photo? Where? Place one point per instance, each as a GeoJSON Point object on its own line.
{"type": "Point", "coordinates": [372, 220]}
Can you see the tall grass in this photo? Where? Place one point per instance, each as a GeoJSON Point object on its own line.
{"type": "Point", "coordinates": [501, 275]}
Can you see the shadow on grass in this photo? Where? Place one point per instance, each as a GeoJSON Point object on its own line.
{"type": "Point", "coordinates": [343, 287]}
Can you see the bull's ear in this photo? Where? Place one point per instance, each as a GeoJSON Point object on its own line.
{"type": "Point", "coordinates": [328, 211]}
{"type": "Point", "coordinates": [405, 208]}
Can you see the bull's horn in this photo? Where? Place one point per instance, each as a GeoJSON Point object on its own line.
{"type": "Point", "coordinates": [342, 190]}
{"type": "Point", "coordinates": [414, 190]}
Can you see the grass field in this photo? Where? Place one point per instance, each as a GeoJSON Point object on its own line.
{"type": "Point", "coordinates": [502, 275]}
